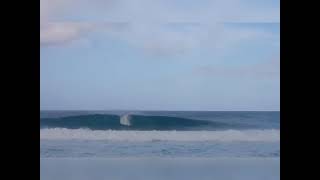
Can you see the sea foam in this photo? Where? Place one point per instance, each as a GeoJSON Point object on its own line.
{"type": "Point", "coordinates": [270, 135]}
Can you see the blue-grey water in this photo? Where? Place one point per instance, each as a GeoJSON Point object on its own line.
{"type": "Point", "coordinates": [157, 145]}
{"type": "Point", "coordinates": [83, 134]}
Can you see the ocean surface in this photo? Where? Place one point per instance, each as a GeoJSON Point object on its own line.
{"type": "Point", "coordinates": [89, 137]}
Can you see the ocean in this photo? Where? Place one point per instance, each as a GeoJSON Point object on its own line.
{"type": "Point", "coordinates": [160, 144]}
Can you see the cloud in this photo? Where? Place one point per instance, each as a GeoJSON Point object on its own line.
{"type": "Point", "coordinates": [183, 37]}
{"type": "Point", "coordinates": [164, 10]}
{"type": "Point", "coordinates": [158, 39]}
{"type": "Point", "coordinates": [159, 27]}
{"type": "Point", "coordinates": [59, 33]}
{"type": "Point", "coordinates": [267, 69]}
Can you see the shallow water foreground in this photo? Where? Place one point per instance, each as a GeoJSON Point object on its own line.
{"type": "Point", "coordinates": [160, 168]}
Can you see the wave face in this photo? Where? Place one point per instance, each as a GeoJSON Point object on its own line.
{"type": "Point", "coordinates": [145, 136]}
{"type": "Point", "coordinates": [131, 122]}
{"type": "Point", "coordinates": [95, 121]}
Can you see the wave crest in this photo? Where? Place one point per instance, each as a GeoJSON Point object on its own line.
{"type": "Point", "coordinates": [130, 122]}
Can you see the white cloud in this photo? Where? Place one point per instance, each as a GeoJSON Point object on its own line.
{"type": "Point", "coordinates": [57, 33]}
{"type": "Point", "coordinates": [149, 22]}
{"type": "Point", "coordinates": [267, 69]}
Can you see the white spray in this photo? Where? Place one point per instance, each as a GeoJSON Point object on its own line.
{"type": "Point", "coordinates": [125, 120]}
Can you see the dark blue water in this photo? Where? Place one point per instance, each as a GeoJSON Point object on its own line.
{"type": "Point", "coordinates": [160, 120]}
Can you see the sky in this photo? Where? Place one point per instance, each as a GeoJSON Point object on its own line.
{"type": "Point", "coordinates": [217, 55]}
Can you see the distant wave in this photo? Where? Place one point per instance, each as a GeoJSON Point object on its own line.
{"type": "Point", "coordinates": [131, 122]}
{"type": "Point", "coordinates": [114, 135]}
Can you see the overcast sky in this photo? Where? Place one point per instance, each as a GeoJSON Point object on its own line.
{"type": "Point", "coordinates": [160, 54]}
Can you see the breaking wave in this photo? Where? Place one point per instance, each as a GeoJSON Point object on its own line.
{"type": "Point", "coordinates": [132, 122]}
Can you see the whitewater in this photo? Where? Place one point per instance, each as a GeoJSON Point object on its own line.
{"type": "Point", "coordinates": [271, 135]}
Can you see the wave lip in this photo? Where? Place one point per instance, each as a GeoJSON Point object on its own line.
{"type": "Point", "coordinates": [136, 136]}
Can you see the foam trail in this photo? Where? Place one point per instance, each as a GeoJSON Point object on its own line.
{"type": "Point", "coordinates": [112, 135]}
